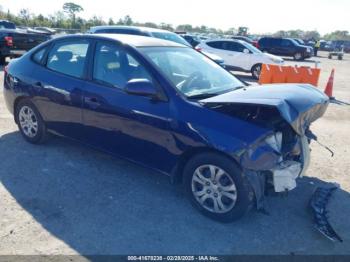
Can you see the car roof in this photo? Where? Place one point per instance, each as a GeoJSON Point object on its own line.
{"type": "Point", "coordinates": [131, 40]}
{"type": "Point", "coordinates": [225, 40]}
{"type": "Point", "coordinates": [136, 28]}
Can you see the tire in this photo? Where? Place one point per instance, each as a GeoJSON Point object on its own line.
{"type": "Point", "coordinates": [2, 60]}
{"type": "Point", "coordinates": [256, 70]}
{"type": "Point", "coordinates": [298, 56]}
{"type": "Point", "coordinates": [240, 192]}
{"type": "Point", "coordinates": [30, 122]}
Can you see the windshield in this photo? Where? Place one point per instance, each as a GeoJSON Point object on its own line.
{"type": "Point", "coordinates": [192, 73]}
{"type": "Point", "coordinates": [171, 37]}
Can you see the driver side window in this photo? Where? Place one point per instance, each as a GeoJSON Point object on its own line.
{"type": "Point", "coordinates": [115, 67]}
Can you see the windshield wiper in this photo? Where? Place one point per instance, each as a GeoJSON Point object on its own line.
{"type": "Point", "coordinates": [202, 96]}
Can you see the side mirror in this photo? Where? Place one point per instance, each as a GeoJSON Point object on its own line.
{"type": "Point", "coordinates": [246, 51]}
{"type": "Point", "coordinates": [140, 87]}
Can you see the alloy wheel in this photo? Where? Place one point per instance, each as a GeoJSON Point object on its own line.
{"type": "Point", "coordinates": [214, 189]}
{"type": "Point", "coordinates": [257, 71]}
{"type": "Point", "coordinates": [298, 56]}
{"type": "Point", "coordinates": [28, 121]}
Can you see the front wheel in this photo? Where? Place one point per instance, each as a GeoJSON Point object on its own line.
{"type": "Point", "coordinates": [217, 187]}
{"type": "Point", "coordinates": [256, 71]}
{"type": "Point", "coordinates": [30, 122]}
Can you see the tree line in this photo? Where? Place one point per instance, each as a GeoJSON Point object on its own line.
{"type": "Point", "coordinates": [68, 18]}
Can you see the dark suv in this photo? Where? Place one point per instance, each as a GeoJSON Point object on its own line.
{"type": "Point", "coordinates": [285, 47]}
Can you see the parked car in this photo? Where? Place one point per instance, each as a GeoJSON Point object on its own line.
{"type": "Point", "coordinates": [285, 47]}
{"type": "Point", "coordinates": [340, 45]}
{"type": "Point", "coordinates": [139, 30]}
{"type": "Point", "coordinates": [151, 32]}
{"type": "Point", "coordinates": [15, 42]}
{"type": "Point", "coordinates": [169, 108]}
{"type": "Point", "coordinates": [239, 55]}
{"type": "Point", "coordinates": [192, 39]}
{"type": "Point", "coordinates": [46, 30]}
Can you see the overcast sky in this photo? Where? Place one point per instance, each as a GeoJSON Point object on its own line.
{"type": "Point", "coordinates": [261, 16]}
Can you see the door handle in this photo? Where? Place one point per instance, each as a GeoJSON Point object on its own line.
{"type": "Point", "coordinates": [92, 102]}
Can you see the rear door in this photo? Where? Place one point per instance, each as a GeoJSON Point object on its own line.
{"type": "Point", "coordinates": [273, 46]}
{"type": "Point", "coordinates": [58, 86]}
{"type": "Point", "coordinates": [286, 47]}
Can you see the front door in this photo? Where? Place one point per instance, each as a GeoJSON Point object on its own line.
{"type": "Point", "coordinates": [134, 127]}
{"type": "Point", "coordinates": [237, 57]}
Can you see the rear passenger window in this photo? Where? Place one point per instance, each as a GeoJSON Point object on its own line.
{"type": "Point", "coordinates": [235, 47]}
{"type": "Point", "coordinates": [215, 44]}
{"type": "Point", "coordinates": [68, 57]}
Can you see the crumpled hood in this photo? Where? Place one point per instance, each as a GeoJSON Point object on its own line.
{"type": "Point", "coordinates": [298, 104]}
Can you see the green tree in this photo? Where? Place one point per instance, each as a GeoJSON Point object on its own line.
{"type": "Point", "coordinates": [149, 24]}
{"type": "Point", "coordinates": [338, 35]}
{"type": "Point", "coordinates": [110, 21]}
{"type": "Point", "coordinates": [311, 35]}
{"type": "Point", "coordinates": [185, 28]}
{"type": "Point", "coordinates": [166, 26]}
{"type": "Point", "coordinates": [25, 16]}
{"type": "Point", "coordinates": [127, 20]}
{"type": "Point", "coordinates": [71, 9]}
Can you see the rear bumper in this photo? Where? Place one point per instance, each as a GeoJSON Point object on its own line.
{"type": "Point", "coordinates": [9, 97]}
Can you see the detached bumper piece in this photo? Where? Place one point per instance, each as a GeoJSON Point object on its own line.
{"type": "Point", "coordinates": [318, 203]}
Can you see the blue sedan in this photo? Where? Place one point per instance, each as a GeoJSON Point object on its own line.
{"type": "Point", "coordinates": [167, 107]}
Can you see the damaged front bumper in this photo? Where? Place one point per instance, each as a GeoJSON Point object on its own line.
{"type": "Point", "coordinates": [285, 175]}
{"type": "Point", "coordinates": [274, 164]}
{"type": "Point", "coordinates": [318, 203]}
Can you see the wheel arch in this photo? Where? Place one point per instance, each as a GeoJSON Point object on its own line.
{"type": "Point", "coordinates": [254, 65]}
{"type": "Point", "coordinates": [15, 103]}
{"type": "Point", "coordinates": [177, 173]}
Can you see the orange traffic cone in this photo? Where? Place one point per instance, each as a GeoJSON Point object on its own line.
{"type": "Point", "coordinates": [329, 87]}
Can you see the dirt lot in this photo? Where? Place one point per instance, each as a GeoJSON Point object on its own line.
{"type": "Point", "coordinates": [63, 198]}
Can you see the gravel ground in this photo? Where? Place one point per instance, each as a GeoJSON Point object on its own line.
{"type": "Point", "coordinates": [64, 198]}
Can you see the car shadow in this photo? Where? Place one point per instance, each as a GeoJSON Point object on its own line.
{"type": "Point", "coordinates": [97, 204]}
{"type": "Point", "coordinates": [313, 61]}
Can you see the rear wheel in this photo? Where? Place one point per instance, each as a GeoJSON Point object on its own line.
{"type": "Point", "coordinates": [217, 187]}
{"type": "Point", "coordinates": [256, 70]}
{"type": "Point", "coordinates": [298, 56]}
{"type": "Point", "coordinates": [30, 122]}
